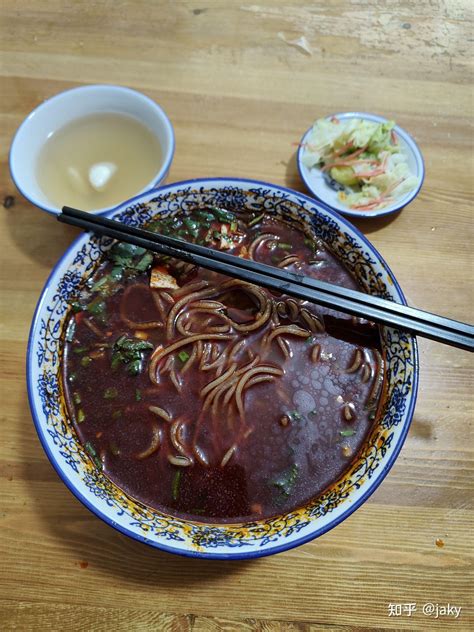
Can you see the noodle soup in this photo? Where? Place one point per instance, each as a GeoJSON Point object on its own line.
{"type": "Point", "coordinates": [212, 399]}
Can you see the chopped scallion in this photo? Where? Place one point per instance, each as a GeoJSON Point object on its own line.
{"type": "Point", "coordinates": [89, 448]}
{"type": "Point", "coordinates": [256, 220]}
{"type": "Point", "coordinates": [205, 215]}
{"type": "Point", "coordinates": [77, 307]}
{"type": "Point", "coordinates": [85, 361]}
{"type": "Point", "coordinates": [347, 433]}
{"type": "Point", "coordinates": [222, 214]}
{"type": "Point", "coordinates": [138, 395]}
{"type": "Point", "coordinates": [110, 393]}
{"type": "Point", "coordinates": [81, 416]}
{"type": "Point", "coordinates": [97, 307]}
{"type": "Point", "coordinates": [294, 415]}
{"type": "Point", "coordinates": [286, 481]}
{"type": "Point", "coordinates": [98, 463]}
{"type": "Point", "coordinates": [79, 350]}
{"type": "Point", "coordinates": [98, 284]}
{"type": "Point", "coordinates": [190, 223]}
{"type": "Point", "coordinates": [183, 356]}
{"type": "Point", "coordinates": [176, 484]}
{"type": "Point", "coordinates": [116, 273]}
{"type": "Point", "coordinates": [174, 222]}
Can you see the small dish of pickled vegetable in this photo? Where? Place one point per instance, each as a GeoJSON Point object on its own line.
{"type": "Point", "coordinates": [360, 164]}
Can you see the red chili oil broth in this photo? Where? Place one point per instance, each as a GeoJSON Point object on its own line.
{"type": "Point", "coordinates": [300, 430]}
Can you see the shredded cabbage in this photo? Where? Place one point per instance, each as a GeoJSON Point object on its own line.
{"type": "Point", "coordinates": [364, 157]}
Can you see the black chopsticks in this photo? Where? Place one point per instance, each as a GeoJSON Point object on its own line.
{"type": "Point", "coordinates": [373, 308]}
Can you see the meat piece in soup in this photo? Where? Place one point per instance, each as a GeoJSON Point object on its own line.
{"type": "Point", "coordinates": [209, 398]}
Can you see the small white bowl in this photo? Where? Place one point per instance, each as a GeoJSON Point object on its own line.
{"type": "Point", "coordinates": [315, 182]}
{"type": "Point", "coordinates": [76, 103]}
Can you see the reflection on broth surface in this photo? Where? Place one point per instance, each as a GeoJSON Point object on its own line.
{"type": "Point", "coordinates": [210, 398]}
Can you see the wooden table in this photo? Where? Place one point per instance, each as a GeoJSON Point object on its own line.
{"type": "Point", "coordinates": [240, 94]}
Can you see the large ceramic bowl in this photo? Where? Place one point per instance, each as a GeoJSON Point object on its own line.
{"type": "Point", "coordinates": [171, 534]}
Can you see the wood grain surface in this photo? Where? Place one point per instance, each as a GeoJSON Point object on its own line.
{"type": "Point", "coordinates": [240, 94]}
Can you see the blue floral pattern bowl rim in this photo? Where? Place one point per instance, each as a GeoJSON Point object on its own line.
{"type": "Point", "coordinates": [188, 552]}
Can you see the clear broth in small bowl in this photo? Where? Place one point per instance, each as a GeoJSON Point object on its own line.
{"type": "Point", "coordinates": [98, 161]}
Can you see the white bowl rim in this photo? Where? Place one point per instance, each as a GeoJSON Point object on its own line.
{"type": "Point", "coordinates": [396, 206]}
{"type": "Point", "coordinates": [186, 552]}
{"type": "Point", "coordinates": [157, 178]}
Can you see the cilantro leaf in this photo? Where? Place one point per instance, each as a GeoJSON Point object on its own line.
{"type": "Point", "coordinates": [129, 351]}
{"type": "Point", "coordinates": [131, 257]}
{"type": "Point", "coordinates": [286, 480]}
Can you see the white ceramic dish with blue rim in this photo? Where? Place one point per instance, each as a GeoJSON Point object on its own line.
{"type": "Point", "coordinates": [67, 106]}
{"type": "Point", "coordinates": [238, 541]}
{"type": "Point", "coordinates": [316, 184]}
